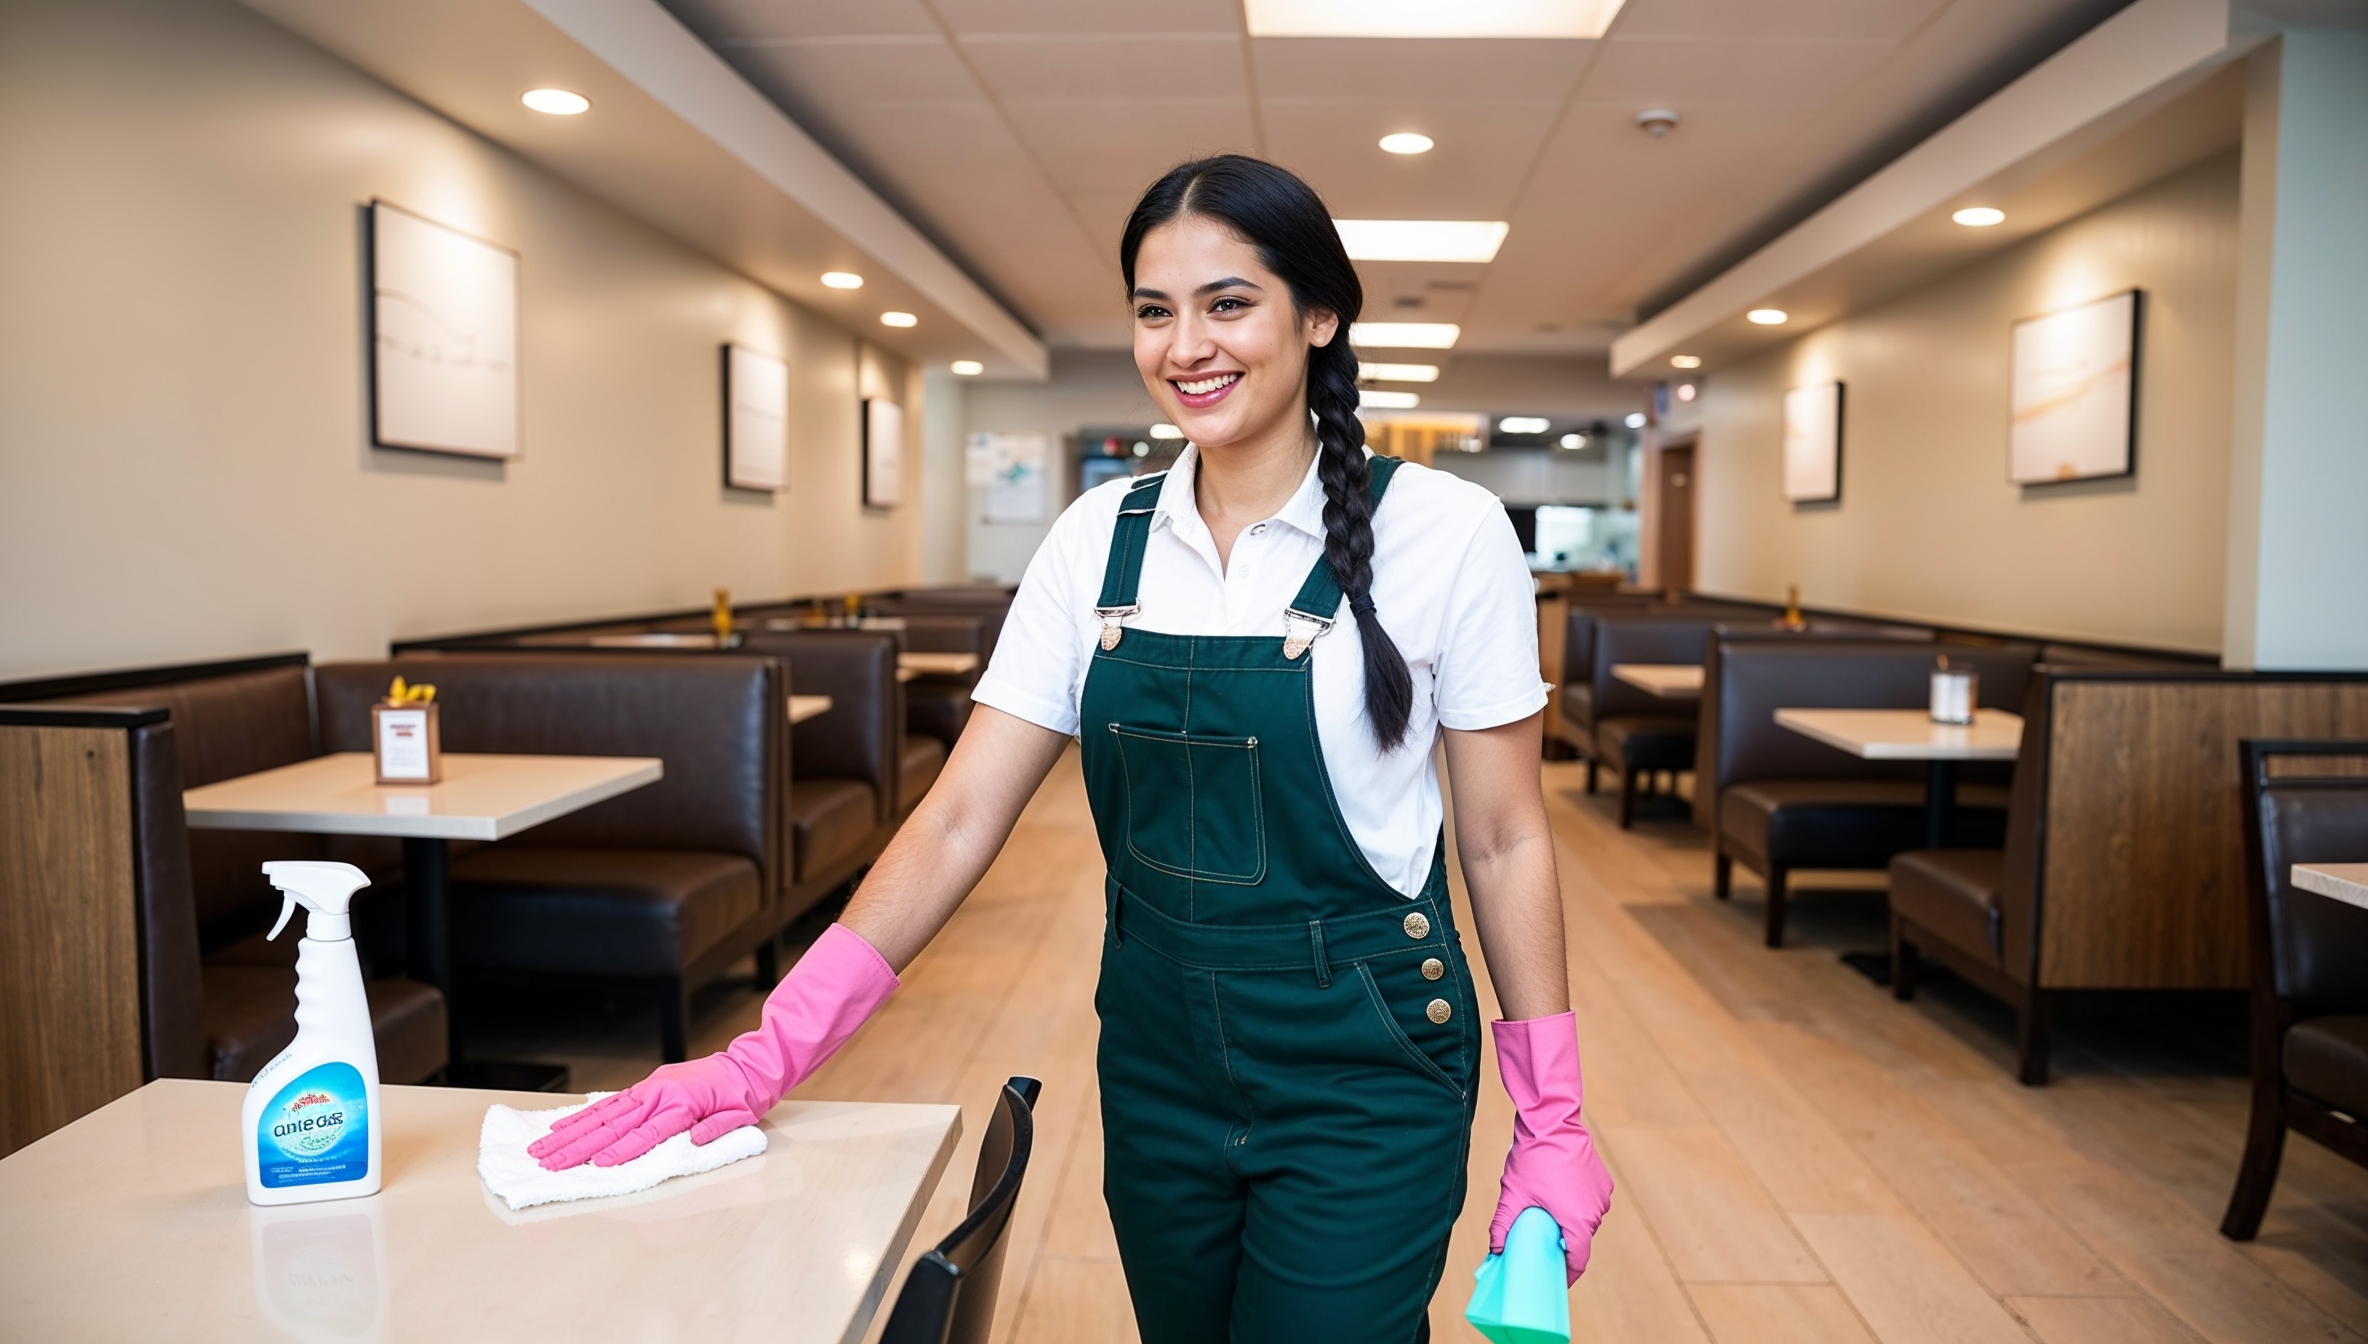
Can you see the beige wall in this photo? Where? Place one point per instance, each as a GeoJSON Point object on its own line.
{"type": "Point", "coordinates": [184, 459]}
{"type": "Point", "coordinates": [1928, 526]}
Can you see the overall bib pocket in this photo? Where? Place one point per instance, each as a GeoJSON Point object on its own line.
{"type": "Point", "coordinates": [1194, 804]}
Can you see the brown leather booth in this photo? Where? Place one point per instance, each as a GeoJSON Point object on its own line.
{"type": "Point", "coordinates": [220, 1001]}
{"type": "Point", "coordinates": [845, 766]}
{"type": "Point", "coordinates": [665, 886]}
{"type": "Point", "coordinates": [2124, 863]}
{"type": "Point", "coordinates": [1779, 801]}
{"type": "Point", "coordinates": [2305, 802]}
{"type": "Point", "coordinates": [937, 705]}
{"type": "Point", "coordinates": [1637, 732]}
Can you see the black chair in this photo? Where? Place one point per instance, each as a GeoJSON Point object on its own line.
{"type": "Point", "coordinates": [949, 1298]}
{"type": "Point", "coordinates": [2310, 1000]}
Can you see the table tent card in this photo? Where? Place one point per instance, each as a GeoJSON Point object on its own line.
{"type": "Point", "coordinates": [443, 338]}
{"type": "Point", "coordinates": [1813, 443]}
{"type": "Point", "coordinates": [756, 422]}
{"type": "Point", "coordinates": [2074, 384]}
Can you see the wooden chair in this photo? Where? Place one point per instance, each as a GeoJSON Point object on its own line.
{"type": "Point", "coordinates": [2305, 801]}
{"type": "Point", "coordinates": [949, 1298]}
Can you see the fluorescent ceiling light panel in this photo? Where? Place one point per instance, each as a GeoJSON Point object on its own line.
{"type": "Point", "coordinates": [1399, 373]}
{"type": "Point", "coordinates": [1431, 18]}
{"type": "Point", "coordinates": [968, 368]}
{"type": "Point", "coordinates": [1523, 424]}
{"type": "Point", "coordinates": [1378, 400]}
{"type": "Point", "coordinates": [1405, 335]}
{"type": "Point", "coordinates": [896, 319]}
{"type": "Point", "coordinates": [1474, 240]}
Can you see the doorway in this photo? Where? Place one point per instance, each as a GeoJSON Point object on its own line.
{"type": "Point", "coordinates": [1674, 554]}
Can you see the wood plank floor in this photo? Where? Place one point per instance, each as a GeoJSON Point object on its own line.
{"type": "Point", "coordinates": [1799, 1158]}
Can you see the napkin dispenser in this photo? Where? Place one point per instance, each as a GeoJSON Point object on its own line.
{"type": "Point", "coordinates": [1954, 693]}
{"type": "Point", "coordinates": [404, 736]}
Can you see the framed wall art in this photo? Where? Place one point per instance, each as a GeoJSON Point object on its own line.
{"type": "Point", "coordinates": [1813, 443]}
{"type": "Point", "coordinates": [443, 338]}
{"type": "Point", "coordinates": [2074, 397]}
{"type": "Point", "coordinates": [756, 420]}
{"type": "Point", "coordinates": [883, 453]}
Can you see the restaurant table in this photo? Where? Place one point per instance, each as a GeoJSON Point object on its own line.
{"type": "Point", "coordinates": [911, 665]}
{"type": "Point", "coordinates": [132, 1223]}
{"type": "Point", "coordinates": [2345, 882]}
{"type": "Point", "coordinates": [1670, 681]}
{"type": "Point", "coordinates": [1911, 735]}
{"type": "Point", "coordinates": [482, 797]}
{"type": "Point", "coordinates": [804, 707]}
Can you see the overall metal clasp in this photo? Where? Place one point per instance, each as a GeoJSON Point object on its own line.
{"type": "Point", "coordinates": [1300, 630]}
{"type": "Point", "coordinates": [1111, 629]}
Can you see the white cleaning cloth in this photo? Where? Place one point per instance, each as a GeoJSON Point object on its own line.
{"type": "Point", "coordinates": [521, 1182]}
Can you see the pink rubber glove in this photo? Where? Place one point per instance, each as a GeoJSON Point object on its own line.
{"type": "Point", "coordinates": [1553, 1165]}
{"type": "Point", "coordinates": [808, 1016]}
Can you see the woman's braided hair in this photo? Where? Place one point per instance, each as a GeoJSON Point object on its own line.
{"type": "Point", "coordinates": [1286, 221]}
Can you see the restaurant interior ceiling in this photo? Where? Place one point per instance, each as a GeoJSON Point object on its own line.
{"type": "Point", "coordinates": [1018, 133]}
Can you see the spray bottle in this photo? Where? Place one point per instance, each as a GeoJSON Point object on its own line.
{"type": "Point", "coordinates": [309, 1126]}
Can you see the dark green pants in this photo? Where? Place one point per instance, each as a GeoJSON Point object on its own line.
{"type": "Point", "coordinates": [1285, 1152]}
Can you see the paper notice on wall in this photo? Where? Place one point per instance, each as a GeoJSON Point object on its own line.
{"type": "Point", "coordinates": [1011, 468]}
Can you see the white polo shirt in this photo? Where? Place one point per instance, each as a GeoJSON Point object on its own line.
{"type": "Point", "coordinates": [1450, 585]}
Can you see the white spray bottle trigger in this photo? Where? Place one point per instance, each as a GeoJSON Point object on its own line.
{"type": "Point", "coordinates": [324, 889]}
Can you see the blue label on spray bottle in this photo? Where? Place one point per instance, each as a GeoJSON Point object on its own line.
{"type": "Point", "coordinates": [316, 1130]}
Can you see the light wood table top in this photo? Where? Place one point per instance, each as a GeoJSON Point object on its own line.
{"type": "Point", "coordinates": [1909, 734]}
{"type": "Point", "coordinates": [804, 707]}
{"type": "Point", "coordinates": [798, 1244]}
{"type": "Point", "coordinates": [652, 641]}
{"type": "Point", "coordinates": [483, 797]}
{"type": "Point", "coordinates": [1670, 681]}
{"type": "Point", "coordinates": [911, 665]}
{"type": "Point", "coordinates": [2346, 882]}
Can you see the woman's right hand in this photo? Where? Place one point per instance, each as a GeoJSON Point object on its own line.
{"type": "Point", "coordinates": [709, 1097]}
{"type": "Point", "coordinates": [808, 1016]}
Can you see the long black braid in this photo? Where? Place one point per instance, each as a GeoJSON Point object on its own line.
{"type": "Point", "coordinates": [1286, 221]}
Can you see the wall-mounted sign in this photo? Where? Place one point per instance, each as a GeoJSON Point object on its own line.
{"type": "Point", "coordinates": [443, 338]}
{"type": "Point", "coordinates": [756, 420]}
{"type": "Point", "coordinates": [2075, 386]}
{"type": "Point", "coordinates": [883, 454]}
{"type": "Point", "coordinates": [1813, 443]}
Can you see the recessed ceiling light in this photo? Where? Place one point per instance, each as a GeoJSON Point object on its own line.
{"type": "Point", "coordinates": [1405, 335]}
{"type": "Point", "coordinates": [1685, 391]}
{"type": "Point", "coordinates": [1574, 440]}
{"type": "Point", "coordinates": [1768, 317]}
{"type": "Point", "coordinates": [1657, 121]}
{"type": "Point", "coordinates": [1473, 240]}
{"type": "Point", "coordinates": [841, 280]}
{"type": "Point", "coordinates": [1979, 216]}
{"type": "Point", "coordinates": [1378, 400]}
{"type": "Point", "coordinates": [1685, 361]}
{"type": "Point", "coordinates": [1635, 420]}
{"type": "Point", "coordinates": [557, 102]}
{"type": "Point", "coordinates": [1523, 424]}
{"type": "Point", "coordinates": [896, 319]}
{"type": "Point", "coordinates": [969, 368]}
{"type": "Point", "coordinates": [1428, 18]}
{"type": "Point", "coordinates": [1164, 430]}
{"type": "Point", "coordinates": [1399, 373]}
{"type": "Point", "coordinates": [1406, 142]}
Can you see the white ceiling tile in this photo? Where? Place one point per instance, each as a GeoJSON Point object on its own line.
{"type": "Point", "coordinates": [1656, 71]}
{"type": "Point", "coordinates": [1482, 152]}
{"type": "Point", "coordinates": [1117, 147]}
{"type": "Point", "coordinates": [1795, 19]}
{"type": "Point", "coordinates": [1444, 72]}
{"type": "Point", "coordinates": [1092, 16]}
{"type": "Point", "coordinates": [842, 75]}
{"type": "Point", "coordinates": [1112, 67]}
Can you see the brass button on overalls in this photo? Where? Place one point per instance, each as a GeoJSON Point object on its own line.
{"type": "Point", "coordinates": [1439, 1011]}
{"type": "Point", "coordinates": [1418, 925]}
{"type": "Point", "coordinates": [1433, 968]}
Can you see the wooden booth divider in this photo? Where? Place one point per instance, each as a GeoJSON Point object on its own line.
{"type": "Point", "coordinates": [70, 1013]}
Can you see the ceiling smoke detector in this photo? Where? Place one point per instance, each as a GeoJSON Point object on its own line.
{"type": "Point", "coordinates": [1656, 121]}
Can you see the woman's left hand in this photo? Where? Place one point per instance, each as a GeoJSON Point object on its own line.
{"type": "Point", "coordinates": [1553, 1164]}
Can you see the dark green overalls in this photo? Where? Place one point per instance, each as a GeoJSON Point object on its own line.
{"type": "Point", "coordinates": [1288, 1044]}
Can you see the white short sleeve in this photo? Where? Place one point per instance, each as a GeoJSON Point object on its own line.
{"type": "Point", "coordinates": [1487, 674]}
{"type": "Point", "coordinates": [1038, 671]}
